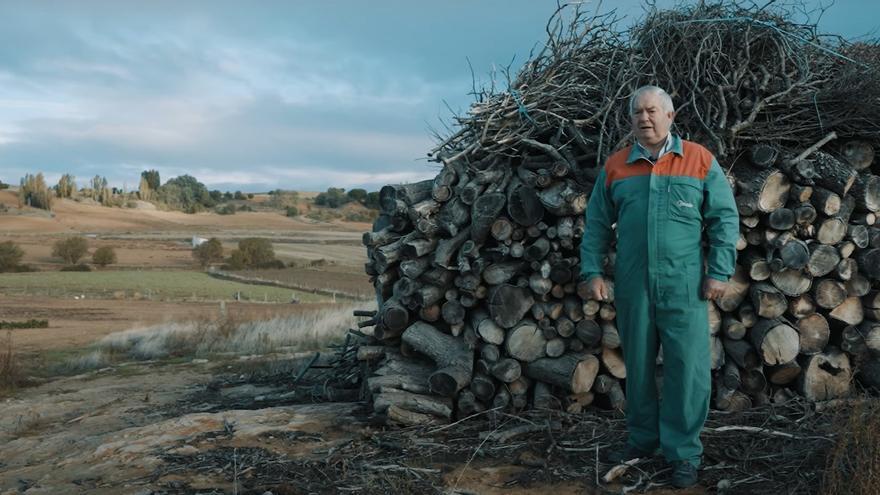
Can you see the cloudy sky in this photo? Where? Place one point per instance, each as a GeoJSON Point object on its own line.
{"type": "Point", "coordinates": [260, 95]}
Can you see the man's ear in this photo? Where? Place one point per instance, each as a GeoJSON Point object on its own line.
{"type": "Point", "coordinates": [672, 115]}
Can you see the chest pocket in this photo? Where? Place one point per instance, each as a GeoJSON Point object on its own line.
{"type": "Point", "coordinates": [685, 199]}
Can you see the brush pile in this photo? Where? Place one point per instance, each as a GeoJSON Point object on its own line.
{"type": "Point", "coordinates": [477, 271]}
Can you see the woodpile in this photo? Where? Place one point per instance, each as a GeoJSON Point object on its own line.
{"type": "Point", "coordinates": [477, 270]}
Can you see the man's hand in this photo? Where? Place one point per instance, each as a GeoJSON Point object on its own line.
{"type": "Point", "coordinates": [713, 289]}
{"type": "Point", "coordinates": [597, 289]}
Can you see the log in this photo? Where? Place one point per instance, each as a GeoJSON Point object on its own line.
{"type": "Point", "coordinates": [761, 190]}
{"type": "Point", "coordinates": [509, 303]}
{"type": "Point", "coordinates": [783, 374]}
{"type": "Point", "coordinates": [870, 332]}
{"type": "Point", "coordinates": [733, 328]}
{"type": "Point", "coordinates": [571, 372]}
{"type": "Point", "coordinates": [825, 376]}
{"type": "Point", "coordinates": [849, 311]}
{"type": "Point", "coordinates": [397, 415]}
{"type": "Point", "coordinates": [792, 282]}
{"type": "Point", "coordinates": [833, 174]}
{"type": "Point", "coordinates": [555, 347]}
{"type": "Point", "coordinates": [483, 387]}
{"type": "Point", "coordinates": [484, 213]}
{"type": "Point", "coordinates": [767, 300]}
{"type": "Point", "coordinates": [801, 306]}
{"type": "Point", "coordinates": [453, 358]}
{"type": "Point", "coordinates": [775, 342]}
{"type": "Point", "coordinates": [826, 202]}
{"type": "Point", "coordinates": [507, 370]}
{"type": "Point", "coordinates": [813, 332]}
{"type": "Point", "coordinates": [831, 231]}
{"type": "Point", "coordinates": [866, 192]}
{"type": "Point", "coordinates": [611, 387]}
{"type": "Point", "coordinates": [730, 375]}
{"type": "Point", "coordinates": [823, 259]}
{"type": "Point", "coordinates": [523, 205]}
{"type": "Point", "coordinates": [858, 154]}
{"type": "Point", "coordinates": [417, 403]}
{"type": "Point", "coordinates": [804, 214]}
{"type": "Point", "coordinates": [589, 332]}
{"type": "Point", "coordinates": [486, 328]}
{"type": "Point", "coordinates": [753, 381]}
{"type": "Point", "coordinates": [763, 155]}
{"type": "Point", "coordinates": [828, 293]}
{"type": "Point", "coordinates": [800, 194]}
{"type": "Point", "coordinates": [612, 359]}
{"type": "Point", "coordinates": [410, 194]}
{"type": "Point", "coordinates": [468, 405]}
{"type": "Point", "coordinates": [742, 353]}
{"type": "Point", "coordinates": [525, 342]}
{"type": "Point", "coordinates": [731, 400]}
{"type": "Point", "coordinates": [869, 262]}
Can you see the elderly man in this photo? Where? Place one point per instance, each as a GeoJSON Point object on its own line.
{"type": "Point", "coordinates": [662, 192]}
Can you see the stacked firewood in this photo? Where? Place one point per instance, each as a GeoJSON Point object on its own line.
{"type": "Point", "coordinates": [477, 270]}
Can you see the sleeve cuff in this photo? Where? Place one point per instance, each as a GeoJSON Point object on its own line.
{"type": "Point", "coordinates": [586, 277]}
{"type": "Point", "coordinates": [721, 277]}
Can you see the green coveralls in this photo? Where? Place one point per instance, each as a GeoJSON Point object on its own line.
{"type": "Point", "coordinates": [660, 210]}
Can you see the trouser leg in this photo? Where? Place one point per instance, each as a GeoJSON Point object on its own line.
{"type": "Point", "coordinates": [684, 334]}
{"type": "Point", "coordinates": [638, 339]}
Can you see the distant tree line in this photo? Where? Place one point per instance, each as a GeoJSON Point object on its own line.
{"type": "Point", "coordinates": [184, 193]}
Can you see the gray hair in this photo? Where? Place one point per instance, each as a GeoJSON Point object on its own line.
{"type": "Point", "coordinates": [664, 98]}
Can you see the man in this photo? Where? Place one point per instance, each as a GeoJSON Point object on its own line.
{"type": "Point", "coordinates": [662, 192]}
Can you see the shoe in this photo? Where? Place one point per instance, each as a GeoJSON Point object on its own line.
{"type": "Point", "coordinates": [684, 474]}
{"type": "Point", "coordinates": [627, 454]}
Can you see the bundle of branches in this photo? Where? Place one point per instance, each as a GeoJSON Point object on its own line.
{"type": "Point", "coordinates": [476, 271]}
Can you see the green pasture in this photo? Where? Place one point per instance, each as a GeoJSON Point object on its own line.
{"type": "Point", "coordinates": [153, 285]}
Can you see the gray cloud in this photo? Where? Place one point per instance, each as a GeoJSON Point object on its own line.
{"type": "Point", "coordinates": [253, 96]}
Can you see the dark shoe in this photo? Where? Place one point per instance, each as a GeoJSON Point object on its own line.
{"type": "Point", "coordinates": [627, 454]}
{"type": "Point", "coordinates": [684, 474]}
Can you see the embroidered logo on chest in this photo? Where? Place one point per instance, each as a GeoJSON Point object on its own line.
{"type": "Point", "coordinates": [683, 204]}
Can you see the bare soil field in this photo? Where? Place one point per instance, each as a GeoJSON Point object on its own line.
{"type": "Point", "coordinates": [155, 239]}
{"type": "Point", "coordinates": [349, 280]}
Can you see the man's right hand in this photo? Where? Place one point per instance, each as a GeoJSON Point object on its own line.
{"type": "Point", "coordinates": [597, 289]}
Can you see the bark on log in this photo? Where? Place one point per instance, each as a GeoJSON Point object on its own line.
{"type": "Point", "coordinates": [571, 372]}
{"type": "Point", "coordinates": [509, 303]}
{"type": "Point", "coordinates": [776, 342]}
{"type": "Point", "coordinates": [453, 358]}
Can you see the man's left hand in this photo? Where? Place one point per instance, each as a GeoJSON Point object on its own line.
{"type": "Point", "coordinates": [713, 289]}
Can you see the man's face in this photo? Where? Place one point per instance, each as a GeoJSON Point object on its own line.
{"type": "Point", "coordinates": [650, 121]}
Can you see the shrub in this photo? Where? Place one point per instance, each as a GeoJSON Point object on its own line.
{"type": "Point", "coordinates": [853, 463]}
{"type": "Point", "coordinates": [251, 252]}
{"type": "Point", "coordinates": [71, 249]}
{"type": "Point", "coordinates": [270, 265]}
{"type": "Point", "coordinates": [250, 195]}
{"type": "Point", "coordinates": [208, 252]}
{"type": "Point", "coordinates": [292, 211]}
{"type": "Point", "coordinates": [104, 255]}
{"type": "Point", "coordinates": [10, 256]}
{"type": "Point", "coordinates": [33, 323]}
{"type": "Point", "coordinates": [226, 210]}
{"type": "Point", "coordinates": [3, 186]}
{"type": "Point", "coordinates": [10, 370]}
{"type": "Point", "coordinates": [82, 267]}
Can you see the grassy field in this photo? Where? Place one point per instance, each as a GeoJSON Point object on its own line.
{"type": "Point", "coordinates": [346, 279]}
{"type": "Point", "coordinates": [153, 285]}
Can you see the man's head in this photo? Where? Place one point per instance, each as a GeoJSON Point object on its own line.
{"type": "Point", "coordinates": [652, 113]}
